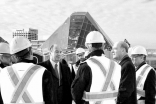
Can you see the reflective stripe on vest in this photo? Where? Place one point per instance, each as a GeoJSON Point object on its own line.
{"type": "Point", "coordinates": [141, 75]}
{"type": "Point", "coordinates": [139, 79]}
{"type": "Point", "coordinates": [20, 85]}
{"type": "Point", "coordinates": [89, 96]}
{"type": "Point", "coordinates": [28, 103]}
{"type": "Point", "coordinates": [141, 92]}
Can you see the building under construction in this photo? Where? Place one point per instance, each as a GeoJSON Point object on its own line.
{"type": "Point", "coordinates": [72, 34]}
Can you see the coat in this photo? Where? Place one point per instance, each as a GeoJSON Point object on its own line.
{"type": "Point", "coordinates": [127, 87]}
{"type": "Point", "coordinates": [60, 93]}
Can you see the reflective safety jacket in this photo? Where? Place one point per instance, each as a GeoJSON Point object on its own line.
{"type": "Point", "coordinates": [105, 80]}
{"type": "Point", "coordinates": [21, 83]}
{"type": "Point", "coordinates": [141, 76]}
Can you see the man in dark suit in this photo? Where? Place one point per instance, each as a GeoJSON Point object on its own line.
{"type": "Point", "coordinates": [127, 87]}
{"type": "Point", "coordinates": [61, 77]}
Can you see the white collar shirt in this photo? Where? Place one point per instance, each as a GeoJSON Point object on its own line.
{"type": "Point", "coordinates": [58, 66]}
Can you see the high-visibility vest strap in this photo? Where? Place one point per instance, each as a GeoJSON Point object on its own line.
{"type": "Point", "coordinates": [139, 78]}
{"type": "Point", "coordinates": [20, 89]}
{"type": "Point", "coordinates": [92, 96]}
{"type": "Point", "coordinates": [27, 103]}
{"type": "Point", "coordinates": [15, 79]}
{"type": "Point", "coordinates": [104, 94]}
{"type": "Point", "coordinates": [108, 79]}
{"type": "Point", "coordinates": [141, 92]}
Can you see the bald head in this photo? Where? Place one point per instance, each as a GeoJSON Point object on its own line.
{"type": "Point", "coordinates": [123, 45]}
{"type": "Point", "coordinates": [120, 49]}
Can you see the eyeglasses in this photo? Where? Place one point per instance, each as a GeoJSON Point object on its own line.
{"type": "Point", "coordinates": [80, 55]}
{"type": "Point", "coordinates": [136, 56]}
{"type": "Point", "coordinates": [5, 55]}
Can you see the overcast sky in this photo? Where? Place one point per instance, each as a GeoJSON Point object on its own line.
{"type": "Point", "coordinates": [134, 20]}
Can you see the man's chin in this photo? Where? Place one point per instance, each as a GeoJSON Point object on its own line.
{"type": "Point", "coordinates": [114, 57]}
{"type": "Point", "coordinates": [58, 60]}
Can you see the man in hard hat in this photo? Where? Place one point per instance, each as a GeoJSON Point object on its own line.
{"type": "Point", "coordinates": [1, 101]}
{"type": "Point", "coordinates": [80, 53]}
{"type": "Point", "coordinates": [80, 56]}
{"type": "Point", "coordinates": [5, 57]}
{"type": "Point", "coordinates": [145, 76]}
{"type": "Point", "coordinates": [25, 82]}
{"type": "Point", "coordinates": [127, 88]}
{"type": "Point", "coordinates": [98, 77]}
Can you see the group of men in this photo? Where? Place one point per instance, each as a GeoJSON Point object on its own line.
{"type": "Point", "coordinates": [98, 79]}
{"type": "Point", "coordinates": [25, 82]}
{"type": "Point", "coordinates": [127, 79]}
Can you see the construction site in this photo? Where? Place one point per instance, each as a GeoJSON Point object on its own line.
{"type": "Point", "coordinates": [72, 34]}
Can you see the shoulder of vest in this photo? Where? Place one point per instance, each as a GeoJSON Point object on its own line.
{"type": "Point", "coordinates": [7, 67]}
{"type": "Point", "coordinates": [39, 66]}
{"type": "Point", "coordinates": [151, 68]}
{"type": "Point", "coordinates": [82, 62]}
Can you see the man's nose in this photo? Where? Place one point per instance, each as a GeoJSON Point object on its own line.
{"type": "Point", "coordinates": [112, 51]}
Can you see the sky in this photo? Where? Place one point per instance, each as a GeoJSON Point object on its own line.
{"type": "Point", "coordinates": [134, 20]}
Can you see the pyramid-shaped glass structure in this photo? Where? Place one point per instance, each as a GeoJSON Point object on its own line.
{"type": "Point", "coordinates": [72, 33]}
{"type": "Point", "coordinates": [80, 26]}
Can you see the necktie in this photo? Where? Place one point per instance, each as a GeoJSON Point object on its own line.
{"type": "Point", "coordinates": [56, 71]}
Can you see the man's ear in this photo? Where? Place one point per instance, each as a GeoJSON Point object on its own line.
{"type": "Point", "coordinates": [87, 45]}
{"type": "Point", "coordinates": [123, 50]}
{"type": "Point", "coordinates": [142, 57]}
{"type": "Point", "coordinates": [103, 46]}
{"type": "Point", "coordinates": [14, 59]}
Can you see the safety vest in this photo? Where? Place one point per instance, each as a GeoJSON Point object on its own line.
{"type": "Point", "coordinates": [21, 83]}
{"type": "Point", "coordinates": [141, 76]}
{"type": "Point", "coordinates": [105, 80]}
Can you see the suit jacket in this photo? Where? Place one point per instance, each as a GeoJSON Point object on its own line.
{"type": "Point", "coordinates": [127, 87]}
{"type": "Point", "coordinates": [61, 94]}
{"type": "Point", "coordinates": [63, 61]}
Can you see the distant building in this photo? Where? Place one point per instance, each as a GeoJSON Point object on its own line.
{"type": "Point", "coordinates": [37, 43]}
{"type": "Point", "coordinates": [151, 57]}
{"type": "Point", "coordinates": [31, 34]}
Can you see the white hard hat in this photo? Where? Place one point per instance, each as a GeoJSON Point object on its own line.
{"type": "Point", "coordinates": [80, 50]}
{"type": "Point", "coordinates": [94, 37]}
{"type": "Point", "coordinates": [4, 48]}
{"type": "Point", "coordinates": [18, 44]}
{"type": "Point", "coordinates": [139, 50]}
